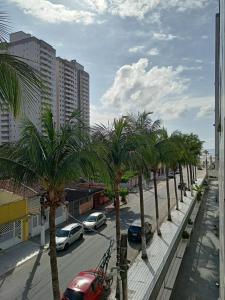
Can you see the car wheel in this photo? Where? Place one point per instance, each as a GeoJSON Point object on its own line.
{"type": "Point", "coordinates": [81, 236]}
{"type": "Point", "coordinates": [95, 227]}
{"type": "Point", "coordinates": [66, 246]}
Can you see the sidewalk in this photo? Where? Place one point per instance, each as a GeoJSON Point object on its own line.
{"type": "Point", "coordinates": [143, 274]}
{"type": "Point", "coordinates": [17, 255]}
{"type": "Point", "coordinates": [200, 267]}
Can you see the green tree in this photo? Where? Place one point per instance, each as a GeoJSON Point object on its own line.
{"type": "Point", "coordinates": [142, 127]}
{"type": "Point", "coordinates": [113, 147]}
{"type": "Point", "coordinates": [52, 159]}
{"type": "Point", "coordinates": [169, 158]}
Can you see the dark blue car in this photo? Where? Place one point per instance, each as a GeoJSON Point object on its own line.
{"type": "Point", "coordinates": [134, 231]}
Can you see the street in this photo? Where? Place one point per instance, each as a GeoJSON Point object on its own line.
{"type": "Point", "coordinates": [32, 280]}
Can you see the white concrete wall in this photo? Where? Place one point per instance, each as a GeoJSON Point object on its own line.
{"type": "Point", "coordinates": [221, 148]}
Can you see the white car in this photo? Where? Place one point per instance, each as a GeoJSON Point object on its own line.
{"type": "Point", "coordinates": [67, 235]}
{"type": "Point", "coordinates": [94, 221]}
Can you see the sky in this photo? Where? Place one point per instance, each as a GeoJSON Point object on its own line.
{"type": "Point", "coordinates": [152, 55]}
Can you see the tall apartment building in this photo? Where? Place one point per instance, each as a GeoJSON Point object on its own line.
{"type": "Point", "coordinates": [41, 56]}
{"type": "Point", "coordinates": [65, 86]}
{"type": "Point", "coordinates": [220, 134]}
{"type": "Point", "coordinates": [72, 90]}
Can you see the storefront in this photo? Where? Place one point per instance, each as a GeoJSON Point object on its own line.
{"type": "Point", "coordinates": [13, 219]}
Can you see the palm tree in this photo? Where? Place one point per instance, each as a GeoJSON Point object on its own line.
{"type": "Point", "coordinates": [142, 127]}
{"type": "Point", "coordinates": [155, 164]}
{"type": "Point", "coordinates": [179, 140]}
{"type": "Point", "coordinates": [19, 82]}
{"type": "Point", "coordinates": [113, 146]}
{"type": "Point", "coordinates": [51, 159]}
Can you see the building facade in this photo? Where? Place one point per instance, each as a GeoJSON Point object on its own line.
{"type": "Point", "coordinates": [220, 132]}
{"type": "Point", "coordinates": [65, 86]}
{"type": "Point", "coordinates": [72, 91]}
{"type": "Point", "coordinates": [13, 219]}
{"type": "Point", "coordinates": [42, 57]}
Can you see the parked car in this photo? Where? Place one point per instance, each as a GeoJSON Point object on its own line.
{"type": "Point", "coordinates": [134, 231]}
{"type": "Point", "coordinates": [85, 286]}
{"type": "Point", "coordinates": [67, 235]}
{"type": "Point", "coordinates": [170, 175]}
{"type": "Point", "coordinates": [94, 221]}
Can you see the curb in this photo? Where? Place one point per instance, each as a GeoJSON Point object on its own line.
{"type": "Point", "coordinates": [21, 262]}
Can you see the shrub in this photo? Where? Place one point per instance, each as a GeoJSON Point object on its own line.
{"type": "Point", "coordinates": [185, 235]}
{"type": "Point", "coordinates": [190, 222]}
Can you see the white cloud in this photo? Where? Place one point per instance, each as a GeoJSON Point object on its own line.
{"type": "Point", "coordinates": [51, 12]}
{"type": "Point", "coordinates": [54, 13]}
{"type": "Point", "coordinates": [204, 37]}
{"type": "Point", "coordinates": [206, 111]}
{"type": "Point", "coordinates": [186, 68]}
{"type": "Point", "coordinates": [153, 52]}
{"type": "Point", "coordinates": [164, 36]}
{"type": "Point", "coordinates": [136, 49]}
{"type": "Point", "coordinates": [138, 87]}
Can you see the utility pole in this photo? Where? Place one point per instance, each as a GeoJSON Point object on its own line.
{"type": "Point", "coordinates": [123, 265]}
{"type": "Point", "coordinates": [42, 201]}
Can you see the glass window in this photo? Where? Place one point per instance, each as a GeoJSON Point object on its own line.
{"type": "Point", "coordinates": [76, 229]}
{"type": "Point", "coordinates": [73, 295]}
{"type": "Point", "coordinates": [62, 233]}
{"type": "Point", "coordinates": [91, 218]}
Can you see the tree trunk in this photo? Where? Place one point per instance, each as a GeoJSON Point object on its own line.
{"type": "Point", "coordinates": [168, 195]}
{"type": "Point", "coordinates": [156, 204]}
{"type": "Point", "coordinates": [53, 258]}
{"type": "Point", "coordinates": [123, 265]}
{"type": "Point", "coordinates": [143, 238]}
{"type": "Point", "coordinates": [181, 183]}
{"type": "Point", "coordinates": [191, 174]}
{"type": "Point", "coordinates": [175, 189]}
{"type": "Point", "coordinates": [196, 172]}
{"type": "Point", "coordinates": [193, 168]}
{"type": "Point", "coordinates": [117, 211]}
{"type": "Point", "coordinates": [182, 175]}
{"type": "Point", "coordinates": [188, 178]}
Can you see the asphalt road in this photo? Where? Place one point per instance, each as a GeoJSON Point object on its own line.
{"type": "Point", "coordinates": [32, 280]}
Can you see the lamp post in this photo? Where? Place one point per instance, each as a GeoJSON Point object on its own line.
{"type": "Point", "coordinates": [43, 218]}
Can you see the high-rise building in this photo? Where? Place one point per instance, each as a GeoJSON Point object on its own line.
{"type": "Point", "coordinates": [42, 57]}
{"type": "Point", "coordinates": [65, 86]}
{"type": "Point", "coordinates": [72, 90]}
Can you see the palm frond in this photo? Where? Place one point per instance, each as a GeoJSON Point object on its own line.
{"type": "Point", "coordinates": [19, 83]}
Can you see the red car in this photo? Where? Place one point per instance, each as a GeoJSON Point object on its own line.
{"type": "Point", "coordinates": [87, 285]}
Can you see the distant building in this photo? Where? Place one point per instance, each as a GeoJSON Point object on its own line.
{"type": "Point", "coordinates": [65, 86]}
{"type": "Point", "coordinates": [42, 57]}
{"type": "Point", "coordinates": [72, 91]}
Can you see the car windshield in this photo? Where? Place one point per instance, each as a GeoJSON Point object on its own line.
{"type": "Point", "coordinates": [135, 228]}
{"type": "Point", "coordinates": [62, 233]}
{"type": "Point", "coordinates": [91, 219]}
{"type": "Point", "coordinates": [73, 295]}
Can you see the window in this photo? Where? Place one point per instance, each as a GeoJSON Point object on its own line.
{"type": "Point", "coordinates": [76, 229]}
{"type": "Point", "coordinates": [100, 217]}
